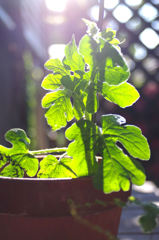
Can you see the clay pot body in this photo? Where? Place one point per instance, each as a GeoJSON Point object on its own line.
{"type": "Point", "coordinates": [57, 209]}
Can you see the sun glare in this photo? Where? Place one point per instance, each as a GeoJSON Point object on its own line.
{"type": "Point", "coordinates": [110, 4]}
{"type": "Point", "coordinates": [56, 51]}
{"type": "Point", "coordinates": [56, 5]}
{"type": "Point", "coordinates": [122, 13]}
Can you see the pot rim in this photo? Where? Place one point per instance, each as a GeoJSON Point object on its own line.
{"type": "Point", "coordinates": [27, 179]}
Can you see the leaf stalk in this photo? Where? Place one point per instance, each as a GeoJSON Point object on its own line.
{"type": "Point", "coordinates": [47, 151]}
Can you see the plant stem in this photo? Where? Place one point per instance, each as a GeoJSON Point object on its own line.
{"type": "Point", "coordinates": [88, 116]}
{"type": "Point", "coordinates": [101, 14]}
{"type": "Point", "coordinates": [47, 151]}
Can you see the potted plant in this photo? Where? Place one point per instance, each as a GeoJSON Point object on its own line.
{"type": "Point", "coordinates": [102, 153]}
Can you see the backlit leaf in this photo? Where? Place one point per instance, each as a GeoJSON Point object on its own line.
{"type": "Point", "coordinates": [12, 171]}
{"type": "Point", "coordinates": [72, 57]}
{"type": "Point", "coordinates": [52, 81]}
{"type": "Point", "coordinates": [88, 48]}
{"type": "Point", "coordinates": [129, 136]}
{"type": "Point", "coordinates": [78, 105]}
{"type": "Point", "coordinates": [59, 109]}
{"type": "Point", "coordinates": [118, 168]}
{"type": "Point", "coordinates": [113, 67]}
{"type": "Point", "coordinates": [18, 157]}
{"type": "Point", "coordinates": [92, 28]}
{"type": "Point", "coordinates": [19, 140]}
{"type": "Point", "coordinates": [82, 148]}
{"type": "Point", "coordinates": [92, 101]}
{"type": "Point", "coordinates": [50, 167]}
{"type": "Point", "coordinates": [108, 34]}
{"type": "Point", "coordinates": [123, 95]}
{"type": "Point", "coordinates": [56, 66]}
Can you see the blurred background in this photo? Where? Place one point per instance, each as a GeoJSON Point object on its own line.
{"type": "Point", "coordinates": [35, 30]}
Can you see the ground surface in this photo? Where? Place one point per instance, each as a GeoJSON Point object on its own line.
{"type": "Point", "coordinates": [129, 227]}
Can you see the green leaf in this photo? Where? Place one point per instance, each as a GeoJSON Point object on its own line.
{"type": "Point", "coordinates": [113, 67]}
{"type": "Point", "coordinates": [82, 148]}
{"type": "Point", "coordinates": [3, 158]}
{"type": "Point", "coordinates": [73, 59]}
{"type": "Point", "coordinates": [78, 105]}
{"type": "Point", "coordinates": [56, 66]}
{"type": "Point", "coordinates": [50, 167]}
{"type": "Point", "coordinates": [115, 54]}
{"type": "Point", "coordinates": [17, 158]}
{"type": "Point", "coordinates": [92, 101]}
{"type": "Point", "coordinates": [115, 75]}
{"type": "Point", "coordinates": [12, 171]}
{"type": "Point", "coordinates": [19, 163]}
{"type": "Point", "coordinates": [92, 28]}
{"type": "Point", "coordinates": [19, 140]}
{"type": "Point", "coordinates": [78, 97]}
{"type": "Point", "coordinates": [58, 103]}
{"type": "Point", "coordinates": [59, 108]}
{"type": "Point", "coordinates": [80, 85]}
{"type": "Point", "coordinates": [117, 167]}
{"type": "Point", "coordinates": [30, 164]}
{"type": "Point", "coordinates": [148, 220]}
{"type": "Point", "coordinates": [115, 42]}
{"type": "Point", "coordinates": [109, 121]}
{"type": "Point", "coordinates": [115, 177]}
{"type": "Point", "coordinates": [88, 48]}
{"type": "Point", "coordinates": [128, 135]}
{"type": "Point", "coordinates": [52, 81]}
{"type": "Point", "coordinates": [67, 83]}
{"type": "Point", "coordinates": [108, 34]}
{"type": "Point", "coordinates": [123, 95]}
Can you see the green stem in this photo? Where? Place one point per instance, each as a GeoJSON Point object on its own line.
{"type": "Point", "coordinates": [88, 116]}
{"type": "Point", "coordinates": [49, 150]}
{"type": "Point", "coordinates": [101, 14]}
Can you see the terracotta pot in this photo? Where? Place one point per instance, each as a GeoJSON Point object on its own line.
{"type": "Point", "coordinates": [57, 209]}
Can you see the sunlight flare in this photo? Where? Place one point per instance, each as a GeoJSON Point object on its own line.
{"type": "Point", "coordinates": [57, 6]}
